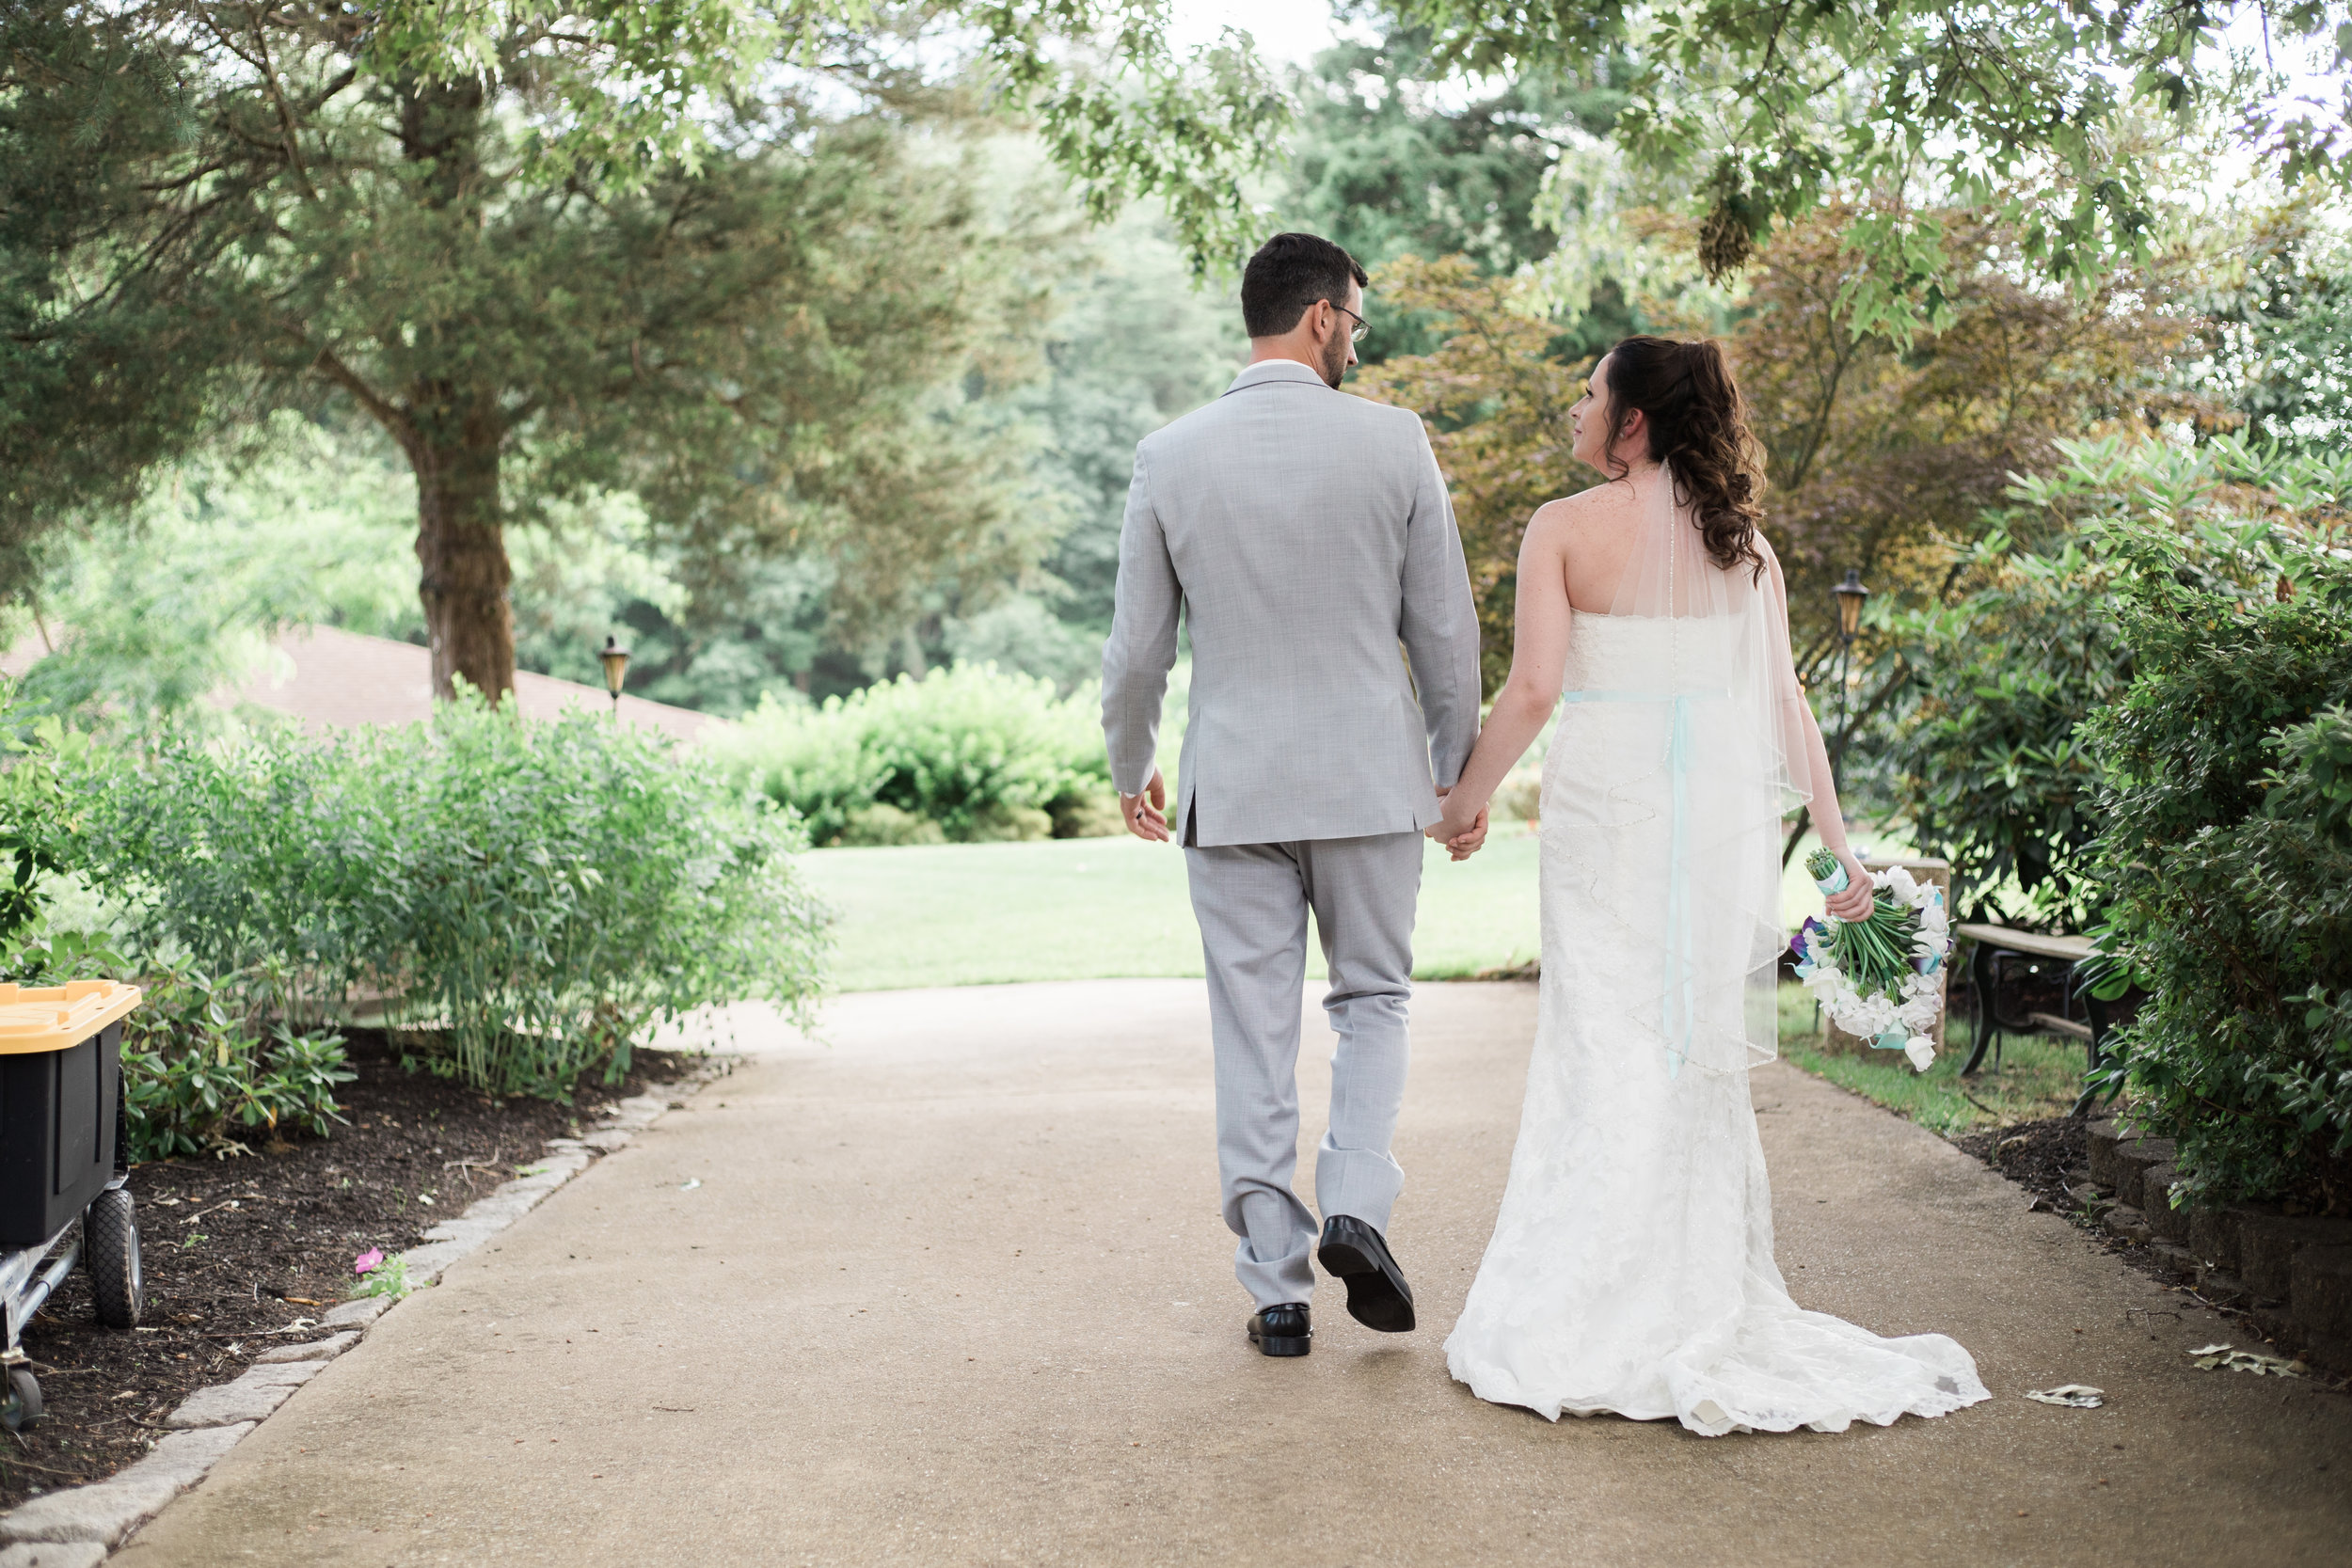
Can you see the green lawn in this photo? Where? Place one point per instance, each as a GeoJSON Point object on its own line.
{"type": "Point", "coordinates": [1084, 908]}
{"type": "Point", "coordinates": [2037, 1076]}
{"type": "Point", "coordinates": [1087, 909]}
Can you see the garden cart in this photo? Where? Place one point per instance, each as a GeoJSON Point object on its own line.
{"type": "Point", "coordinates": [64, 1160]}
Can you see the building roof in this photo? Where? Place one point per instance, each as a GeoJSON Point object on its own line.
{"type": "Point", "coordinates": [327, 678]}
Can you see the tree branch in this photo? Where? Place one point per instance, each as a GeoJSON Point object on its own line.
{"type": "Point", "coordinates": [293, 138]}
{"type": "Point", "coordinates": [385, 412]}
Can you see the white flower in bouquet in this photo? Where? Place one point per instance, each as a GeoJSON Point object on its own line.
{"type": "Point", "coordinates": [1879, 976]}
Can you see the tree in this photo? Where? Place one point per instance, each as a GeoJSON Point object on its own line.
{"type": "Point", "coordinates": [1379, 166]}
{"type": "Point", "coordinates": [2280, 326]}
{"type": "Point", "coordinates": [557, 250]}
{"type": "Point", "coordinates": [2027, 108]}
{"type": "Point", "coordinates": [89, 400]}
{"type": "Point", "coordinates": [1877, 458]}
{"type": "Point", "coordinates": [1495, 394]}
{"type": "Point", "coordinates": [1125, 344]}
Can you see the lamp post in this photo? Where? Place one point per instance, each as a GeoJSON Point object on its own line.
{"type": "Point", "coordinates": [1850, 596]}
{"type": "Point", "coordinates": [615, 660]}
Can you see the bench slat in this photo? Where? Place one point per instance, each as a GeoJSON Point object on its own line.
{"type": "Point", "coordinates": [2057, 1025]}
{"type": "Point", "coordinates": [2032, 943]}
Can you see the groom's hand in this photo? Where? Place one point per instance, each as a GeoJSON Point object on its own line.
{"type": "Point", "coordinates": [1147, 813]}
{"type": "Point", "coordinates": [1462, 838]}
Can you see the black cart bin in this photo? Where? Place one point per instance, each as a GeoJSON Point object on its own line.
{"type": "Point", "coordinates": [60, 1112]}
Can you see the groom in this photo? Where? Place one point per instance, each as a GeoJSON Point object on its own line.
{"type": "Point", "coordinates": [1305, 537]}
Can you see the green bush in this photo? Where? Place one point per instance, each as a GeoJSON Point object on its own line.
{"type": "Point", "coordinates": [1986, 757]}
{"type": "Point", "coordinates": [2227, 856]}
{"type": "Point", "coordinates": [525, 898]}
{"type": "Point", "coordinates": [1986, 763]}
{"type": "Point", "coordinates": [196, 1071]}
{"type": "Point", "coordinates": [977, 753]}
{"type": "Point", "coordinates": [199, 1066]}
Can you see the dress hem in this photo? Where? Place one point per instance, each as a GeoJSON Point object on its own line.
{"type": "Point", "coordinates": [1497, 1387]}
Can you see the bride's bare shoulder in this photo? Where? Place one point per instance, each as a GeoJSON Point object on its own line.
{"type": "Point", "coordinates": [1570, 515]}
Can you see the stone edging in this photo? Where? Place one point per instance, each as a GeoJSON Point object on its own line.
{"type": "Point", "coordinates": [2292, 1275]}
{"type": "Point", "coordinates": [77, 1527]}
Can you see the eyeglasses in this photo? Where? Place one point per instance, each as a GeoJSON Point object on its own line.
{"type": "Point", "coordinates": [1362, 327]}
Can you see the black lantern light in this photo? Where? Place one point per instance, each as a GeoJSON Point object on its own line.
{"type": "Point", "coordinates": [615, 660]}
{"type": "Point", "coordinates": [1850, 596]}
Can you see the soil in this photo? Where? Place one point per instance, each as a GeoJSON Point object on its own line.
{"type": "Point", "coordinates": [2046, 1158]}
{"type": "Point", "coordinates": [243, 1253]}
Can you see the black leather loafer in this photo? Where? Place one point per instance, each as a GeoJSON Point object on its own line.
{"type": "Point", "coordinates": [1378, 1296]}
{"type": "Point", "coordinates": [1282, 1330]}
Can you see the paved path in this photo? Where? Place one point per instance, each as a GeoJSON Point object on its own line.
{"type": "Point", "coordinates": [953, 1290]}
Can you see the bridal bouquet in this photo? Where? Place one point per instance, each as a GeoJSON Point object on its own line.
{"type": "Point", "coordinates": [1879, 976]}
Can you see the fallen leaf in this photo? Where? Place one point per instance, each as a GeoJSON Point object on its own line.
{"type": "Point", "coordinates": [2249, 1361]}
{"type": "Point", "coordinates": [2075, 1396]}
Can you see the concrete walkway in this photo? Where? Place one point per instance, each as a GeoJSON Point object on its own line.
{"type": "Point", "coordinates": [953, 1290]}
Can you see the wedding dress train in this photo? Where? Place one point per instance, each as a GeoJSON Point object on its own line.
{"type": "Point", "coordinates": [1630, 1269]}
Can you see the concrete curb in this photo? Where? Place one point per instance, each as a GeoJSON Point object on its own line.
{"type": "Point", "coordinates": [79, 1527]}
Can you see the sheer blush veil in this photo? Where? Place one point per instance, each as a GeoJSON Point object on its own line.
{"type": "Point", "coordinates": [1711, 752]}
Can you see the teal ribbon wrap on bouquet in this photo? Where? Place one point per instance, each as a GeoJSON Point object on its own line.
{"type": "Point", "coordinates": [1678, 980]}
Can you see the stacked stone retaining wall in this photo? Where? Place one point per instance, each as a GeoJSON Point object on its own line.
{"type": "Point", "coordinates": [2292, 1274]}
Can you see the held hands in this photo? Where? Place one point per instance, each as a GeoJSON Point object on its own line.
{"type": "Point", "coordinates": [1462, 831]}
{"type": "Point", "coordinates": [1855, 901]}
{"type": "Point", "coordinates": [1147, 813]}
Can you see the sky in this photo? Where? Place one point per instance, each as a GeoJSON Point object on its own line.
{"type": "Point", "coordinates": [1287, 32]}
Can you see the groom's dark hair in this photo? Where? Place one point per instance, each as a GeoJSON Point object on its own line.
{"type": "Point", "coordinates": [1287, 276]}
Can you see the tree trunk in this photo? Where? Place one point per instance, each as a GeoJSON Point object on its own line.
{"type": "Point", "coordinates": [454, 431]}
{"type": "Point", "coordinates": [462, 550]}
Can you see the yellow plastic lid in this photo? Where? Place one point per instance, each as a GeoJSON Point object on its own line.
{"type": "Point", "coordinates": [53, 1018]}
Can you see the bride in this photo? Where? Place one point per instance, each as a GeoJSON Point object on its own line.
{"type": "Point", "coordinates": [1631, 1265]}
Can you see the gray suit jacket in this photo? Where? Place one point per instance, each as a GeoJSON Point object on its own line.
{"type": "Point", "coordinates": [1304, 534]}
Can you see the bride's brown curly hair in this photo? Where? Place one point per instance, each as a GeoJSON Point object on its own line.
{"type": "Point", "coordinates": [1699, 423]}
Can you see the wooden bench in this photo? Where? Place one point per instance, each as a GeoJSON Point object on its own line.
{"type": "Point", "coordinates": [1996, 944]}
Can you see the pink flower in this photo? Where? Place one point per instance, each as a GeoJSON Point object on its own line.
{"type": "Point", "coordinates": [366, 1260]}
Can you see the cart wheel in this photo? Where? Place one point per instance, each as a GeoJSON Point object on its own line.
{"type": "Point", "coordinates": [110, 1244]}
{"type": "Point", "coordinates": [21, 1406]}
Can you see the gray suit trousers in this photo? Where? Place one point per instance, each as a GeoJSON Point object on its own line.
{"type": "Point", "coordinates": [1251, 900]}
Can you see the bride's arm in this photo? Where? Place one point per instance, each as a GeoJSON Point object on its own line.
{"type": "Point", "coordinates": [1539, 653]}
{"type": "Point", "coordinates": [1829, 820]}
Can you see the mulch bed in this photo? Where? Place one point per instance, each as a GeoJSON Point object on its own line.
{"type": "Point", "coordinates": [241, 1253]}
{"type": "Point", "coordinates": [2046, 1158]}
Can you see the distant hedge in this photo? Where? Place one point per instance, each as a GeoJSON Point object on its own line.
{"type": "Point", "coordinates": [965, 754]}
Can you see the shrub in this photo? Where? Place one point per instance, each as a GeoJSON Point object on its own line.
{"type": "Point", "coordinates": [2227, 856]}
{"type": "Point", "coordinates": [979, 753]}
{"type": "Point", "coordinates": [525, 898]}
{"type": "Point", "coordinates": [1988, 760]}
{"type": "Point", "coordinates": [196, 1072]}
{"type": "Point", "coordinates": [199, 1066]}
{"type": "Point", "coordinates": [1985, 762]}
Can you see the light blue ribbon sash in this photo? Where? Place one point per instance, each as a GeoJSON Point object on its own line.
{"type": "Point", "coordinates": [1679, 981]}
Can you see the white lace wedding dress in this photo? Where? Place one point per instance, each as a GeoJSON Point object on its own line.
{"type": "Point", "coordinates": [1631, 1266]}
